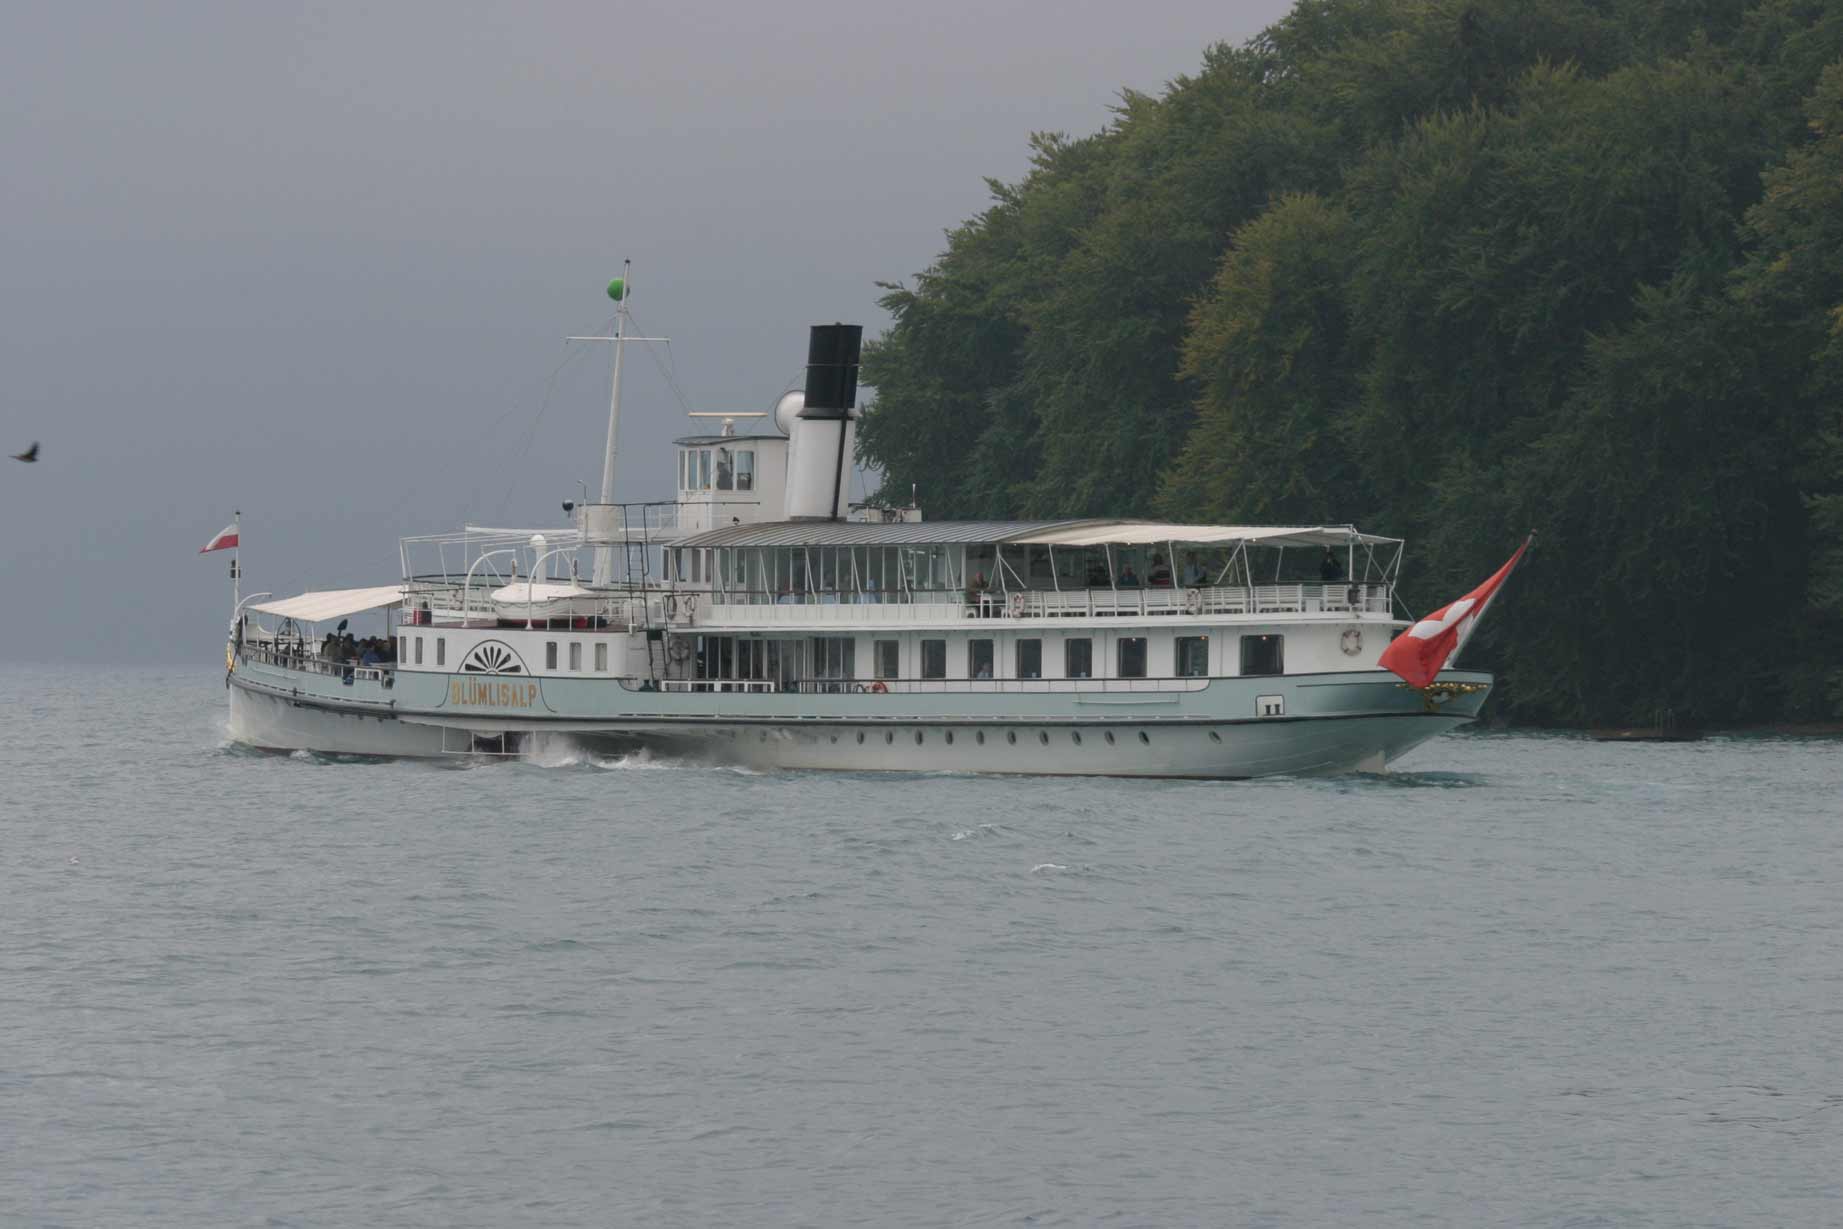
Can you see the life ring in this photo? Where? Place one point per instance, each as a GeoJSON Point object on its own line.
{"type": "Point", "coordinates": [678, 648]}
{"type": "Point", "coordinates": [1351, 642]}
{"type": "Point", "coordinates": [1016, 605]}
{"type": "Point", "coordinates": [691, 604]}
{"type": "Point", "coordinates": [878, 689]}
{"type": "Point", "coordinates": [1193, 601]}
{"type": "Point", "coordinates": [671, 606]}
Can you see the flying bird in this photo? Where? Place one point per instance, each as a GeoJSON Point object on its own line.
{"type": "Point", "coordinates": [29, 455]}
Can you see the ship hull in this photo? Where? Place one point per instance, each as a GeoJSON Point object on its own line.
{"type": "Point", "coordinates": [1340, 727]}
{"type": "Point", "coordinates": [287, 723]}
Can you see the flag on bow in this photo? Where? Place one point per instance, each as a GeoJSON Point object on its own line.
{"type": "Point", "coordinates": [225, 539]}
{"type": "Point", "coordinates": [1419, 653]}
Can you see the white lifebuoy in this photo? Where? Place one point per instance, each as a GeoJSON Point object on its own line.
{"type": "Point", "coordinates": [671, 606]}
{"type": "Point", "coordinates": [1193, 601]}
{"type": "Point", "coordinates": [1351, 642]}
{"type": "Point", "coordinates": [678, 648]}
{"type": "Point", "coordinates": [877, 688]}
{"type": "Point", "coordinates": [1017, 605]}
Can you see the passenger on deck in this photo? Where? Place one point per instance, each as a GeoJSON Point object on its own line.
{"type": "Point", "coordinates": [371, 656]}
{"type": "Point", "coordinates": [1330, 570]}
{"type": "Point", "coordinates": [1193, 571]}
{"type": "Point", "coordinates": [329, 646]}
{"type": "Point", "coordinates": [1129, 579]}
{"type": "Point", "coordinates": [1161, 573]}
{"type": "Point", "coordinates": [975, 592]}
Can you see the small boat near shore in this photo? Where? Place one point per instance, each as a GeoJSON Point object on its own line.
{"type": "Point", "coordinates": [1644, 734]}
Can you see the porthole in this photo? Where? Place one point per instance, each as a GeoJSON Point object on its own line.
{"type": "Point", "coordinates": [1215, 737]}
{"type": "Point", "coordinates": [860, 738]}
{"type": "Point", "coordinates": [1144, 739]}
{"type": "Point", "coordinates": [1011, 737]}
{"type": "Point", "coordinates": [918, 738]}
{"type": "Point", "coordinates": [979, 737]}
{"type": "Point", "coordinates": [889, 736]}
{"type": "Point", "coordinates": [1109, 737]}
{"type": "Point", "coordinates": [1043, 737]}
{"type": "Point", "coordinates": [949, 737]}
{"type": "Point", "coordinates": [1075, 735]}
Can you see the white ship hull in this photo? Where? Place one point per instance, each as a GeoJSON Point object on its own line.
{"type": "Point", "coordinates": [275, 723]}
{"type": "Point", "coordinates": [1046, 744]}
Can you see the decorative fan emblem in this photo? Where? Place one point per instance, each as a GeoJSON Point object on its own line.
{"type": "Point", "coordinates": [492, 657]}
{"type": "Point", "coordinates": [1351, 642]}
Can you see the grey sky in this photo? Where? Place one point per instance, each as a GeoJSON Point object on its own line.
{"type": "Point", "coordinates": [317, 262]}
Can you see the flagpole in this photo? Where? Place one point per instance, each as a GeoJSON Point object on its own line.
{"type": "Point", "coordinates": [236, 565]}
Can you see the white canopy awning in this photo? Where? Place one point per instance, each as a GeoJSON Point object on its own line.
{"type": "Point", "coordinates": [331, 603]}
{"type": "Point", "coordinates": [1140, 533]}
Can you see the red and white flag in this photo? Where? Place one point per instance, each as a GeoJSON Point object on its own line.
{"type": "Point", "coordinates": [226, 538]}
{"type": "Point", "coordinates": [1418, 653]}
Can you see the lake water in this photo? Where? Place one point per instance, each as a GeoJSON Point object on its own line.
{"type": "Point", "coordinates": [1523, 980]}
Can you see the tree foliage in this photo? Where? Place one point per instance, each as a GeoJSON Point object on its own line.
{"type": "Point", "coordinates": [1450, 269]}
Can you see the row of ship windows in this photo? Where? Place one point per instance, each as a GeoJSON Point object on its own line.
{"type": "Point", "coordinates": [409, 652]}
{"type": "Point", "coordinates": [889, 737]}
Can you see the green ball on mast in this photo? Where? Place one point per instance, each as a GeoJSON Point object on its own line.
{"type": "Point", "coordinates": [617, 289]}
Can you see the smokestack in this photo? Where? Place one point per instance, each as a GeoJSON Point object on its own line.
{"type": "Point", "coordinates": [819, 448]}
{"type": "Point", "coordinates": [832, 370]}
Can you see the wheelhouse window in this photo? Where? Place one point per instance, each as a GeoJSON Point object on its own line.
{"type": "Point", "coordinates": [1132, 657]}
{"type": "Point", "coordinates": [934, 659]}
{"type": "Point", "coordinates": [886, 658]}
{"type": "Point", "coordinates": [1263, 654]}
{"type": "Point", "coordinates": [745, 469]}
{"type": "Point", "coordinates": [1030, 658]}
{"type": "Point", "coordinates": [726, 470]}
{"type": "Point", "coordinates": [1192, 657]}
{"type": "Point", "coordinates": [979, 659]}
{"type": "Point", "coordinates": [1078, 657]}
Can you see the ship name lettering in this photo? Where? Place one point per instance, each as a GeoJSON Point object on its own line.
{"type": "Point", "coordinates": [492, 695]}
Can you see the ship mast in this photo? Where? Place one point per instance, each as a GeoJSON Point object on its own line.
{"type": "Point", "coordinates": [621, 291]}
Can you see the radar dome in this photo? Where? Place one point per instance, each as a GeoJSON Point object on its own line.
{"type": "Point", "coordinates": [787, 409]}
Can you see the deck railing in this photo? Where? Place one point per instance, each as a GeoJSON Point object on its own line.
{"type": "Point", "coordinates": [946, 606]}
{"type": "Point", "coordinates": [303, 658]}
{"type": "Point", "coordinates": [687, 606]}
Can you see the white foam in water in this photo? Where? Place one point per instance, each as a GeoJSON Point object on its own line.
{"type": "Point", "coordinates": [566, 751]}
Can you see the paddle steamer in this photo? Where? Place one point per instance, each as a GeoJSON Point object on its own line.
{"type": "Point", "coordinates": [761, 618]}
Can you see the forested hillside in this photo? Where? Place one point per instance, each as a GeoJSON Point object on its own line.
{"type": "Point", "coordinates": [1450, 271]}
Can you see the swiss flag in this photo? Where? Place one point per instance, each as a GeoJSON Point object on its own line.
{"type": "Point", "coordinates": [226, 538]}
{"type": "Point", "coordinates": [1418, 653]}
